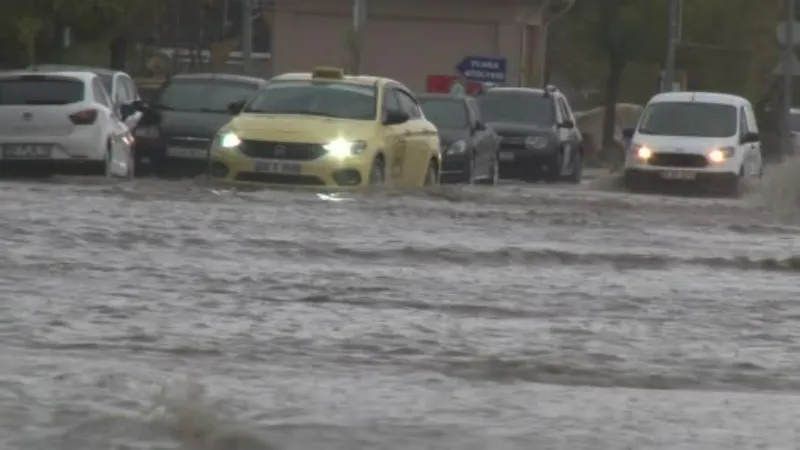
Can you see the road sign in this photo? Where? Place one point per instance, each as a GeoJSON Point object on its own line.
{"type": "Point", "coordinates": [780, 34]}
{"type": "Point", "coordinates": [794, 68]}
{"type": "Point", "coordinates": [483, 68]}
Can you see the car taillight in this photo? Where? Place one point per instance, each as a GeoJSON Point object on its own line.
{"type": "Point", "coordinates": [85, 117]}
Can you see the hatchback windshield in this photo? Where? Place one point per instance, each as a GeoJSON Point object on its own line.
{"type": "Point", "coordinates": [445, 113]}
{"type": "Point", "coordinates": [693, 119]}
{"type": "Point", "coordinates": [207, 95]}
{"type": "Point", "coordinates": [315, 98]}
{"type": "Point", "coordinates": [517, 107]}
{"type": "Point", "coordinates": [40, 90]}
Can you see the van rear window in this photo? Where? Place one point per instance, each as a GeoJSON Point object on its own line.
{"type": "Point", "coordinates": [40, 90]}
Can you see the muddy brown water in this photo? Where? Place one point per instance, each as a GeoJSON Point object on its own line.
{"type": "Point", "coordinates": [172, 315]}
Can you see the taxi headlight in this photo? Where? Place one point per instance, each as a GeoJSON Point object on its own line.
{"type": "Point", "coordinates": [643, 152]}
{"type": "Point", "coordinates": [341, 148]}
{"type": "Point", "coordinates": [719, 155]}
{"type": "Point", "coordinates": [228, 140]}
{"type": "Point", "coordinates": [457, 148]}
{"type": "Point", "coordinates": [535, 142]}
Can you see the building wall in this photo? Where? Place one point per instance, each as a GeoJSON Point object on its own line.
{"type": "Point", "coordinates": [406, 40]}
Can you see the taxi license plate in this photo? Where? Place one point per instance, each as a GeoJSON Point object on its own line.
{"type": "Point", "coordinates": [506, 156]}
{"type": "Point", "coordinates": [277, 167]}
{"type": "Point", "coordinates": [27, 151]}
{"type": "Point", "coordinates": [678, 175]}
{"type": "Point", "coordinates": [187, 153]}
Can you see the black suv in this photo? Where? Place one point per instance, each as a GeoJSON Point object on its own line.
{"type": "Point", "coordinates": [539, 139]}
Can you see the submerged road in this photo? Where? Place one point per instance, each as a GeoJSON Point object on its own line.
{"type": "Point", "coordinates": [160, 315]}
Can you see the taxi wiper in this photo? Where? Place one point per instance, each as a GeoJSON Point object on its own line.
{"type": "Point", "coordinates": [212, 110]}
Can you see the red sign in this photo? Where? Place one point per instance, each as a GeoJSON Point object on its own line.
{"type": "Point", "coordinates": [443, 84]}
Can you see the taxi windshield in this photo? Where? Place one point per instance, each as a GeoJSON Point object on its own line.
{"type": "Point", "coordinates": [689, 119]}
{"type": "Point", "coordinates": [316, 98]}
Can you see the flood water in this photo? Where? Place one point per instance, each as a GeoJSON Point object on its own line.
{"type": "Point", "coordinates": [171, 315]}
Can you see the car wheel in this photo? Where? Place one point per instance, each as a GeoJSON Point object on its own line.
{"type": "Point", "coordinates": [553, 169]}
{"type": "Point", "coordinates": [494, 174]}
{"type": "Point", "coordinates": [107, 160]}
{"type": "Point", "coordinates": [469, 175]}
{"type": "Point", "coordinates": [430, 175]}
{"type": "Point", "coordinates": [577, 168]}
{"type": "Point", "coordinates": [377, 174]}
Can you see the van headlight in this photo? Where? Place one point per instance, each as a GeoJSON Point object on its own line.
{"type": "Point", "coordinates": [643, 152]}
{"type": "Point", "coordinates": [341, 148]}
{"type": "Point", "coordinates": [719, 155]}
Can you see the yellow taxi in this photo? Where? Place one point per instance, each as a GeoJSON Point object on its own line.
{"type": "Point", "coordinates": [330, 130]}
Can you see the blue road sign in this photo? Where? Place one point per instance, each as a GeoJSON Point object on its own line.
{"type": "Point", "coordinates": [483, 68]}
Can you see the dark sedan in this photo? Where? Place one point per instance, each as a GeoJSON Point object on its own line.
{"type": "Point", "coordinates": [175, 134]}
{"type": "Point", "coordinates": [539, 139]}
{"type": "Point", "coordinates": [469, 147]}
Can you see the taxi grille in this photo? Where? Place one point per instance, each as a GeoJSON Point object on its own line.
{"type": "Point", "coordinates": [280, 178]}
{"type": "Point", "coordinates": [678, 160]}
{"type": "Point", "coordinates": [291, 151]}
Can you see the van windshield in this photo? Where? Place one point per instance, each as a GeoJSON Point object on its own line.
{"type": "Point", "coordinates": [690, 119]}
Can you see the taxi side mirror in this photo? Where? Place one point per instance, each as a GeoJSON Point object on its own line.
{"type": "Point", "coordinates": [236, 107]}
{"type": "Point", "coordinates": [396, 117]}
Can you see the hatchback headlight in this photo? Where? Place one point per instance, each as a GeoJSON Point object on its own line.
{"type": "Point", "coordinates": [457, 148]}
{"type": "Point", "coordinates": [535, 142]}
{"type": "Point", "coordinates": [342, 148]}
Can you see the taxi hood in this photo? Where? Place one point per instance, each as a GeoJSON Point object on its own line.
{"type": "Point", "coordinates": [300, 128]}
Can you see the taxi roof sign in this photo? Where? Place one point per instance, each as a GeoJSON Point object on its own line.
{"type": "Point", "coordinates": [335, 73]}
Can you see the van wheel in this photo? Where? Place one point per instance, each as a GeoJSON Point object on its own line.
{"type": "Point", "coordinates": [577, 168]}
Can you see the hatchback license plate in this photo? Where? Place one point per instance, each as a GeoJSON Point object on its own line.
{"type": "Point", "coordinates": [678, 175]}
{"type": "Point", "coordinates": [506, 156]}
{"type": "Point", "coordinates": [187, 153]}
{"type": "Point", "coordinates": [27, 151]}
{"type": "Point", "coordinates": [277, 167]}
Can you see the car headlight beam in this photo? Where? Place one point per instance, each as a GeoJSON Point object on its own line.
{"type": "Point", "coordinates": [342, 148]}
{"type": "Point", "coordinates": [720, 155]}
{"type": "Point", "coordinates": [644, 153]}
{"type": "Point", "coordinates": [229, 141]}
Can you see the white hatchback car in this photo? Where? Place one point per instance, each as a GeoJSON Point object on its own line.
{"type": "Point", "coordinates": [694, 137]}
{"type": "Point", "coordinates": [61, 122]}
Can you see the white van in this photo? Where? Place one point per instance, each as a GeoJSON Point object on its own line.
{"type": "Point", "coordinates": [694, 137]}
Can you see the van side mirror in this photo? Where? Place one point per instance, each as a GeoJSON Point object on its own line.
{"type": "Point", "coordinates": [628, 133]}
{"type": "Point", "coordinates": [750, 138]}
{"type": "Point", "coordinates": [568, 124]}
{"type": "Point", "coordinates": [479, 126]}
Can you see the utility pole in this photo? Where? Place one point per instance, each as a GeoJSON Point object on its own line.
{"type": "Point", "coordinates": [247, 36]}
{"type": "Point", "coordinates": [668, 82]}
{"type": "Point", "coordinates": [788, 77]}
{"type": "Point", "coordinates": [359, 20]}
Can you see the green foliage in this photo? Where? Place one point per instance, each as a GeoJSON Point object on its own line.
{"type": "Point", "coordinates": [730, 44]}
{"type": "Point", "coordinates": [88, 20]}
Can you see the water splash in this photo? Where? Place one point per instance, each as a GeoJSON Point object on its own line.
{"type": "Point", "coordinates": [197, 422]}
{"type": "Point", "coordinates": [780, 187]}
